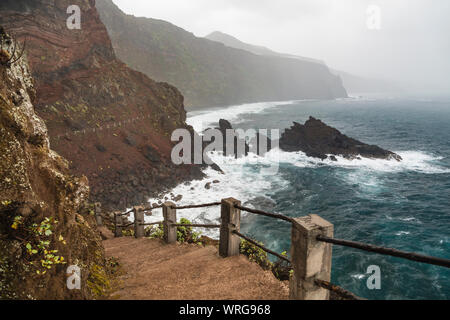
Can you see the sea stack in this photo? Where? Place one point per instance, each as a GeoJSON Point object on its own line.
{"type": "Point", "coordinates": [319, 140]}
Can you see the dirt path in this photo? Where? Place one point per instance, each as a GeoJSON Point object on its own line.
{"type": "Point", "coordinates": [159, 271]}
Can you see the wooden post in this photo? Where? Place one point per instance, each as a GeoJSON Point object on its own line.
{"type": "Point", "coordinates": [231, 220]}
{"type": "Point", "coordinates": [118, 225]}
{"type": "Point", "coordinates": [138, 222]}
{"type": "Point", "coordinates": [170, 217]}
{"type": "Point", "coordinates": [311, 259]}
{"type": "Point", "coordinates": [98, 213]}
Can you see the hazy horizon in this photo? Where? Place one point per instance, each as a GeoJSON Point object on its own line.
{"type": "Point", "coordinates": [411, 48]}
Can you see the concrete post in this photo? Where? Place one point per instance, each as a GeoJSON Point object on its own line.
{"type": "Point", "coordinates": [170, 217]}
{"type": "Point", "coordinates": [118, 225]}
{"type": "Point", "coordinates": [138, 222]}
{"type": "Point", "coordinates": [98, 214]}
{"type": "Point", "coordinates": [231, 220]}
{"type": "Point", "coordinates": [311, 259]}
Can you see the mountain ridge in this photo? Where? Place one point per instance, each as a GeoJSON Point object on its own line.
{"type": "Point", "coordinates": [352, 83]}
{"type": "Point", "coordinates": [208, 73]}
{"type": "Point", "coordinates": [234, 42]}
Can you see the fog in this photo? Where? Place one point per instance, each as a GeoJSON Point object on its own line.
{"type": "Point", "coordinates": [411, 47]}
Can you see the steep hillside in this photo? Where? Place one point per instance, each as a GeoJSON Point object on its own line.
{"type": "Point", "coordinates": [112, 123]}
{"type": "Point", "coordinates": [209, 73]}
{"type": "Point", "coordinates": [42, 206]}
{"type": "Point", "coordinates": [357, 84]}
{"type": "Point", "coordinates": [351, 82]}
{"type": "Point", "coordinates": [233, 42]}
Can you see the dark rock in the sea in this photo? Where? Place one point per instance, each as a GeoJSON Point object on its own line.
{"type": "Point", "coordinates": [216, 181]}
{"type": "Point", "coordinates": [216, 167]}
{"type": "Point", "coordinates": [259, 143]}
{"type": "Point", "coordinates": [333, 158]}
{"type": "Point", "coordinates": [208, 186]}
{"type": "Point", "coordinates": [319, 140]}
{"type": "Point", "coordinates": [178, 198]}
{"type": "Point", "coordinates": [225, 125]}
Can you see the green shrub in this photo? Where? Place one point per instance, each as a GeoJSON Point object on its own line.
{"type": "Point", "coordinates": [155, 232]}
{"type": "Point", "coordinates": [255, 254]}
{"type": "Point", "coordinates": [38, 240]}
{"type": "Point", "coordinates": [184, 234]}
{"type": "Point", "coordinates": [281, 269]}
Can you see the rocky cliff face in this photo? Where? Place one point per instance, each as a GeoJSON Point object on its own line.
{"type": "Point", "coordinates": [209, 73]}
{"type": "Point", "coordinates": [44, 222]}
{"type": "Point", "coordinates": [112, 123]}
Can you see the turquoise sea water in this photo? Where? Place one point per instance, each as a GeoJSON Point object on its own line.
{"type": "Point", "coordinates": [400, 205]}
{"type": "Point", "coordinates": [407, 208]}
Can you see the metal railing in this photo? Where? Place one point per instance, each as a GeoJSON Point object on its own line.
{"type": "Point", "coordinates": [307, 233]}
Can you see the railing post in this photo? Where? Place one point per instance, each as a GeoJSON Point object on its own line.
{"type": "Point", "coordinates": [231, 220]}
{"type": "Point", "coordinates": [170, 217]}
{"type": "Point", "coordinates": [117, 225]}
{"type": "Point", "coordinates": [311, 259]}
{"type": "Point", "coordinates": [98, 213]}
{"type": "Point", "coordinates": [138, 222]}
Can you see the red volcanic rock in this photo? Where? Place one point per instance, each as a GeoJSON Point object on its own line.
{"type": "Point", "coordinates": [112, 123]}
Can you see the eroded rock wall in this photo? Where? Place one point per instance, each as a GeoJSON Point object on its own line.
{"type": "Point", "coordinates": [110, 122]}
{"type": "Point", "coordinates": [45, 223]}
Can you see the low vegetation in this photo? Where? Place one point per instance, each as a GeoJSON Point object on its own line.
{"type": "Point", "coordinates": [184, 234]}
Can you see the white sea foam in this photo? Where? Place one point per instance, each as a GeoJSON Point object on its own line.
{"type": "Point", "coordinates": [202, 120]}
{"type": "Point", "coordinates": [412, 161]}
{"type": "Point", "coordinates": [358, 276]}
{"type": "Point", "coordinates": [239, 181]}
{"type": "Point", "coordinates": [243, 180]}
{"type": "Point", "coordinates": [402, 233]}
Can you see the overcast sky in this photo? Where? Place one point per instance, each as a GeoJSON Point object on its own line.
{"type": "Point", "coordinates": [412, 45]}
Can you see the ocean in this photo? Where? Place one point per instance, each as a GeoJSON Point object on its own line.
{"type": "Point", "coordinates": [403, 205]}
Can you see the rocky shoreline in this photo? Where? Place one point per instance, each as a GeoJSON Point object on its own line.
{"type": "Point", "coordinates": [316, 139]}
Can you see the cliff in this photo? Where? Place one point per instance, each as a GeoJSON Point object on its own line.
{"type": "Point", "coordinates": [351, 82]}
{"type": "Point", "coordinates": [45, 225]}
{"type": "Point", "coordinates": [112, 123]}
{"type": "Point", "coordinates": [233, 42]}
{"type": "Point", "coordinates": [207, 72]}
